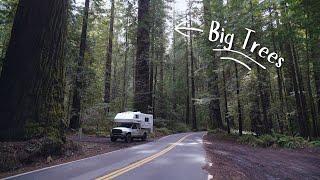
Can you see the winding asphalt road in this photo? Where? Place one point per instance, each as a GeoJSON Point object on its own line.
{"type": "Point", "coordinates": [178, 156]}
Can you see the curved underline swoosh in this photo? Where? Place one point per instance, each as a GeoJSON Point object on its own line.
{"type": "Point", "coordinates": [242, 55]}
{"type": "Point", "coordinates": [242, 63]}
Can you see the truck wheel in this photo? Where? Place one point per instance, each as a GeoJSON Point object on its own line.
{"type": "Point", "coordinates": [144, 137]}
{"type": "Point", "coordinates": [128, 138]}
{"type": "Point", "coordinates": [113, 139]}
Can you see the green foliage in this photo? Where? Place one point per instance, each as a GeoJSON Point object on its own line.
{"type": "Point", "coordinates": [292, 142]}
{"type": "Point", "coordinates": [220, 133]}
{"type": "Point", "coordinates": [315, 143]}
{"type": "Point", "coordinates": [251, 140]}
{"type": "Point", "coordinates": [89, 130]}
{"type": "Point", "coordinates": [216, 131]}
{"type": "Point", "coordinates": [163, 131]}
{"type": "Point", "coordinates": [277, 140]}
{"type": "Point", "coordinates": [267, 140]}
{"type": "Point", "coordinates": [180, 127]}
{"type": "Point", "coordinates": [172, 126]}
{"type": "Point", "coordinates": [33, 130]}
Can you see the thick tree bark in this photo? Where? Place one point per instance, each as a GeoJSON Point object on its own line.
{"type": "Point", "coordinates": [32, 79]}
{"type": "Point", "coordinates": [76, 99]}
{"type": "Point", "coordinates": [142, 100]}
{"type": "Point", "coordinates": [107, 83]}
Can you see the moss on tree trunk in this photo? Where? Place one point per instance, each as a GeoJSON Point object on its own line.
{"type": "Point", "coordinates": [32, 79]}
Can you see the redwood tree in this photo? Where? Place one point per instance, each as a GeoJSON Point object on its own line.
{"type": "Point", "coordinates": [214, 106]}
{"type": "Point", "coordinates": [76, 102]}
{"type": "Point", "coordinates": [142, 100]}
{"type": "Point", "coordinates": [109, 59]}
{"type": "Point", "coordinates": [32, 79]}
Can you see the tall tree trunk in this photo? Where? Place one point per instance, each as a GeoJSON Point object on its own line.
{"type": "Point", "coordinates": [238, 100]}
{"type": "Point", "coordinates": [76, 99]}
{"type": "Point", "coordinates": [264, 98]}
{"type": "Point", "coordinates": [255, 114]}
{"type": "Point", "coordinates": [301, 87]}
{"type": "Point", "coordinates": [124, 85]}
{"type": "Point", "coordinates": [193, 91]}
{"type": "Point", "coordinates": [311, 99]}
{"type": "Point", "coordinates": [263, 81]}
{"type": "Point", "coordinates": [214, 106]}
{"type": "Point", "coordinates": [155, 80]}
{"type": "Point", "coordinates": [107, 83]}
{"type": "Point", "coordinates": [282, 115]}
{"type": "Point", "coordinates": [32, 78]}
{"type": "Point", "coordinates": [315, 55]}
{"type": "Point", "coordinates": [281, 46]}
{"type": "Point", "coordinates": [151, 76]}
{"type": "Point", "coordinates": [301, 118]}
{"type": "Point", "coordinates": [174, 99]}
{"type": "Point", "coordinates": [114, 89]}
{"type": "Point", "coordinates": [142, 100]}
{"type": "Point", "coordinates": [161, 83]}
{"type": "Point", "coordinates": [313, 44]}
{"type": "Point", "coordinates": [280, 91]}
{"type": "Point", "coordinates": [187, 80]}
{"type": "Point", "coordinates": [227, 116]}
{"type": "Point", "coordinates": [296, 80]}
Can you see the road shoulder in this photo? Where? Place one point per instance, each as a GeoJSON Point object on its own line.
{"type": "Point", "coordinates": [231, 160]}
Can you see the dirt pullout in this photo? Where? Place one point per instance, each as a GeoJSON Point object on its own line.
{"type": "Point", "coordinates": [87, 146]}
{"type": "Point", "coordinates": [227, 159]}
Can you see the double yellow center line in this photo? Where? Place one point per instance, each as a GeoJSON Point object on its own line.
{"type": "Point", "coordinates": [139, 163]}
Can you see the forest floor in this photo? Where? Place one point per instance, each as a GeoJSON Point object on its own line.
{"type": "Point", "coordinates": [228, 159]}
{"type": "Point", "coordinates": [88, 145]}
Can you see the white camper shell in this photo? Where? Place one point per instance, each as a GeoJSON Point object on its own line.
{"type": "Point", "coordinates": [145, 120]}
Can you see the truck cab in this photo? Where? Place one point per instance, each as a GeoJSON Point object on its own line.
{"type": "Point", "coordinates": [130, 125]}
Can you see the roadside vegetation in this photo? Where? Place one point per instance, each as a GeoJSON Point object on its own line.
{"type": "Point", "coordinates": [166, 127]}
{"type": "Point", "coordinates": [274, 140]}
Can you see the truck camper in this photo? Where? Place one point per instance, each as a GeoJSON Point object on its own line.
{"type": "Point", "coordinates": [131, 125]}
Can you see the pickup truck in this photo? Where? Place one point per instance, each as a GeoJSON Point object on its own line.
{"type": "Point", "coordinates": [128, 131]}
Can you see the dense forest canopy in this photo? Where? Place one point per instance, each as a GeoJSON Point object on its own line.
{"type": "Point", "coordinates": [72, 64]}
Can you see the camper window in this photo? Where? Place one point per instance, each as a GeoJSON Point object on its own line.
{"type": "Point", "coordinates": [137, 116]}
{"type": "Point", "coordinates": [146, 119]}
